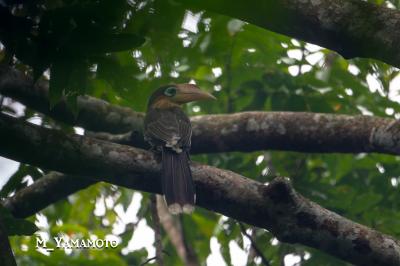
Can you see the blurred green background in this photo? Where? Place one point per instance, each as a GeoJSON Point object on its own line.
{"type": "Point", "coordinates": [121, 51]}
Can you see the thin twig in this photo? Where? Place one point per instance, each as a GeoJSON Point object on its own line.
{"type": "Point", "coordinates": [254, 245]}
{"type": "Point", "coordinates": [148, 260]}
{"type": "Point", "coordinates": [157, 230]}
{"type": "Point", "coordinates": [153, 258]}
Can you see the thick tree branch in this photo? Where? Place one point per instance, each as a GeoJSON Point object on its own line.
{"type": "Point", "coordinates": [352, 28]}
{"type": "Point", "coordinates": [276, 207]}
{"type": "Point", "coordinates": [94, 114]}
{"type": "Point", "coordinates": [250, 131]}
{"type": "Point", "coordinates": [124, 138]}
{"type": "Point", "coordinates": [32, 199]}
{"type": "Point", "coordinates": [292, 131]}
{"type": "Point", "coordinates": [45, 191]}
{"type": "Point", "coordinates": [295, 131]}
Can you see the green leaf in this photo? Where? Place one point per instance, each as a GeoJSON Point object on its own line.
{"type": "Point", "coordinates": [95, 43]}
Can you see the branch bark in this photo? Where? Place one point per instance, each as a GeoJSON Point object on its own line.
{"type": "Point", "coordinates": [31, 199]}
{"type": "Point", "coordinates": [350, 27]}
{"type": "Point", "coordinates": [295, 131]}
{"type": "Point", "coordinates": [276, 207]}
{"type": "Point", "coordinates": [248, 131]}
{"type": "Point", "coordinates": [94, 114]}
{"type": "Point", "coordinates": [290, 131]}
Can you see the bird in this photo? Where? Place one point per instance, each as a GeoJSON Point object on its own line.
{"type": "Point", "coordinates": [168, 131]}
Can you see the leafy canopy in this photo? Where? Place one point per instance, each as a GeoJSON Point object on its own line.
{"type": "Point", "coordinates": [121, 51]}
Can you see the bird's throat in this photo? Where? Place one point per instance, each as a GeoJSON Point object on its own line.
{"type": "Point", "coordinates": [164, 103]}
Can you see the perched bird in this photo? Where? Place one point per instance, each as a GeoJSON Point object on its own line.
{"type": "Point", "coordinates": [168, 130]}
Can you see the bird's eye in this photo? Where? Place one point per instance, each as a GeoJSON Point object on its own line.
{"type": "Point", "coordinates": [170, 91]}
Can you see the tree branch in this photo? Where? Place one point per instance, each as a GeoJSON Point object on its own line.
{"type": "Point", "coordinates": [31, 199]}
{"type": "Point", "coordinates": [157, 230]}
{"type": "Point", "coordinates": [295, 131]}
{"type": "Point", "coordinates": [350, 27]}
{"type": "Point", "coordinates": [94, 114]}
{"type": "Point", "coordinates": [248, 131]}
{"type": "Point", "coordinates": [276, 207]}
{"type": "Point", "coordinates": [291, 131]}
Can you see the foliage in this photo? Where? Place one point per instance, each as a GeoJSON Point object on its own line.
{"type": "Point", "coordinates": [121, 51]}
{"type": "Point", "coordinates": [14, 226]}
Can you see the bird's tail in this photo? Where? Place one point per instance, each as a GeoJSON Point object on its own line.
{"type": "Point", "coordinates": [177, 181]}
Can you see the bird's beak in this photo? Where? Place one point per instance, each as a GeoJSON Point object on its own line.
{"type": "Point", "coordinates": [190, 92]}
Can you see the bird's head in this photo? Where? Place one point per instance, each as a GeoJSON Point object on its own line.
{"type": "Point", "coordinates": [176, 95]}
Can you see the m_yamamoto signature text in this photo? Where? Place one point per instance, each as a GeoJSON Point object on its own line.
{"type": "Point", "coordinates": [79, 243]}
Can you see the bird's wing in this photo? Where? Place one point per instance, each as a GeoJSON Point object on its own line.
{"type": "Point", "coordinates": [170, 127]}
{"type": "Point", "coordinates": [185, 131]}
